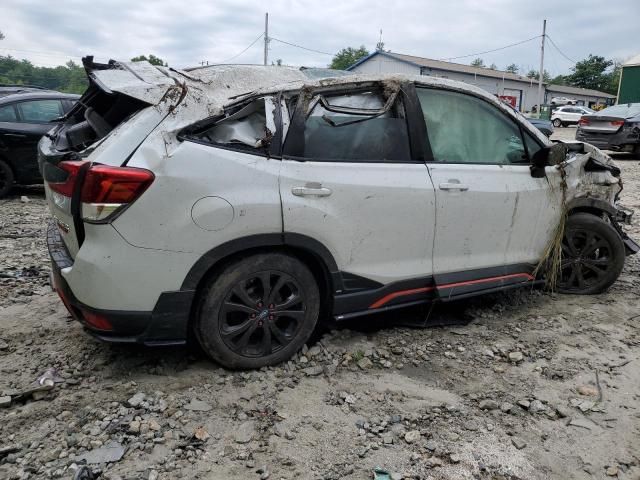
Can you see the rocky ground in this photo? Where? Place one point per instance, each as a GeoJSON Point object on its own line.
{"type": "Point", "coordinates": [536, 386]}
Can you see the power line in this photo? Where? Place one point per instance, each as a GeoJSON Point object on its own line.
{"type": "Point", "coordinates": [300, 46]}
{"type": "Point", "coordinates": [250, 45]}
{"type": "Point", "coordinates": [490, 51]}
{"type": "Point", "coordinates": [560, 51]}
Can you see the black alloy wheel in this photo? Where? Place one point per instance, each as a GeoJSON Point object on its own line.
{"type": "Point", "coordinates": [262, 314]}
{"type": "Point", "coordinates": [592, 255]}
{"type": "Point", "coordinates": [258, 311]}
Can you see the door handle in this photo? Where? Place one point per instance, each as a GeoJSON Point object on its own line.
{"type": "Point", "coordinates": [454, 186]}
{"type": "Point", "coordinates": [311, 191]}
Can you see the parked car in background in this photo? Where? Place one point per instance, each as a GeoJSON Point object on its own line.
{"type": "Point", "coordinates": [24, 118]}
{"type": "Point", "coordinates": [569, 115]}
{"type": "Point", "coordinates": [246, 204]}
{"type": "Point", "coordinates": [562, 101]}
{"type": "Point", "coordinates": [614, 128]}
{"type": "Point", "coordinates": [10, 89]}
{"type": "Point", "coordinates": [545, 126]}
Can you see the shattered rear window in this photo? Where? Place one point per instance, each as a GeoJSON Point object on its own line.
{"type": "Point", "coordinates": [252, 126]}
{"type": "Point", "coordinates": [363, 126]}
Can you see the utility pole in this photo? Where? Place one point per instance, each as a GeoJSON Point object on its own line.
{"type": "Point", "coordinates": [541, 71]}
{"type": "Point", "coordinates": [266, 38]}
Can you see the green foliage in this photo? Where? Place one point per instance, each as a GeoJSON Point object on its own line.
{"type": "Point", "coordinates": [347, 57]}
{"type": "Point", "coordinates": [590, 73]}
{"type": "Point", "coordinates": [546, 77]}
{"type": "Point", "coordinates": [1, 36]}
{"type": "Point", "coordinates": [513, 68]}
{"type": "Point", "coordinates": [152, 59]}
{"type": "Point", "coordinates": [70, 78]}
{"type": "Point", "coordinates": [493, 66]}
{"type": "Point", "coordinates": [478, 62]}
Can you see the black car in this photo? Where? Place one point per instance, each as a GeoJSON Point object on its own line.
{"type": "Point", "coordinates": [545, 126]}
{"type": "Point", "coordinates": [24, 119]}
{"type": "Point", "coordinates": [12, 89]}
{"type": "Point", "coordinates": [614, 128]}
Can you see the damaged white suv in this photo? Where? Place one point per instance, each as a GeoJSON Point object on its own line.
{"type": "Point", "coordinates": [245, 203]}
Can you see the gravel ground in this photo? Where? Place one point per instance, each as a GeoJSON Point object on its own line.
{"type": "Point", "coordinates": [535, 386]}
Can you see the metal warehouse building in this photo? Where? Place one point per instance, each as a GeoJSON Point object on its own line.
{"type": "Point", "coordinates": [519, 90]}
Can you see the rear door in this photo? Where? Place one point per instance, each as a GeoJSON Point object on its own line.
{"type": "Point", "coordinates": [351, 179]}
{"type": "Point", "coordinates": [36, 117]}
{"type": "Point", "coordinates": [493, 220]}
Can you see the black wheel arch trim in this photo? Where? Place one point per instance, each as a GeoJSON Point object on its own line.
{"type": "Point", "coordinates": [287, 239]}
{"type": "Point", "coordinates": [585, 204]}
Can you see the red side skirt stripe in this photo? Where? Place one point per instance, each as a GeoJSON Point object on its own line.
{"type": "Point", "coordinates": [387, 298]}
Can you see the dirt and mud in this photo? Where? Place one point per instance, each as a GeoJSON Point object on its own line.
{"type": "Point", "coordinates": [536, 386]}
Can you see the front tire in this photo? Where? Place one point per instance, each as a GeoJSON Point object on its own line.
{"type": "Point", "coordinates": [6, 179]}
{"type": "Point", "coordinates": [258, 311]}
{"type": "Point", "coordinates": [557, 123]}
{"type": "Point", "coordinates": [592, 255]}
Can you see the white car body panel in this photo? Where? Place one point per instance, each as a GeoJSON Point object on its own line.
{"type": "Point", "coordinates": [378, 221]}
{"type": "Point", "coordinates": [503, 218]}
{"type": "Point", "coordinates": [567, 116]}
{"type": "Point", "coordinates": [107, 272]}
{"type": "Point", "coordinates": [162, 218]}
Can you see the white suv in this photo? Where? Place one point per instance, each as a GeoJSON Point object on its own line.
{"type": "Point", "coordinates": [244, 203]}
{"type": "Point", "coordinates": [569, 115]}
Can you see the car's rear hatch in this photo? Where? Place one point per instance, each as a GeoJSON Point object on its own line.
{"type": "Point", "coordinates": [117, 103]}
{"type": "Point", "coordinates": [601, 124]}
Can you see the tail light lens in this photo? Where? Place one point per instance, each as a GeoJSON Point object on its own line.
{"type": "Point", "coordinates": [584, 121]}
{"type": "Point", "coordinates": [617, 123]}
{"type": "Point", "coordinates": [105, 190]}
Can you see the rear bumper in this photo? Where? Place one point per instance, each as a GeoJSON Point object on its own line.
{"type": "Point", "coordinates": [620, 141]}
{"type": "Point", "coordinates": [166, 324]}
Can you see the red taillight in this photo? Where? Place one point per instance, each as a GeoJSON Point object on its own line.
{"type": "Point", "coordinates": [104, 190]}
{"type": "Point", "coordinates": [105, 184]}
{"type": "Point", "coordinates": [617, 123]}
{"type": "Point", "coordinates": [97, 321]}
{"type": "Point", "coordinates": [67, 186]}
{"type": "Point", "coordinates": [584, 121]}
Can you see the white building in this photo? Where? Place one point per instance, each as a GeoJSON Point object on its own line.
{"type": "Point", "coordinates": [521, 91]}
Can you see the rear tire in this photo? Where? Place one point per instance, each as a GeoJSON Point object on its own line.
{"type": "Point", "coordinates": [258, 311]}
{"type": "Point", "coordinates": [592, 255]}
{"type": "Point", "coordinates": [557, 123]}
{"type": "Point", "coordinates": [6, 179]}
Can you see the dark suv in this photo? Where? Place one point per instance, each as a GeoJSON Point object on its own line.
{"type": "Point", "coordinates": [24, 119]}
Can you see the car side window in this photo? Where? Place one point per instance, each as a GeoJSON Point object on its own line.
{"type": "Point", "coordinates": [462, 128]}
{"type": "Point", "coordinates": [365, 126]}
{"type": "Point", "coordinates": [40, 111]}
{"type": "Point", "coordinates": [8, 114]}
{"type": "Point", "coordinates": [249, 127]}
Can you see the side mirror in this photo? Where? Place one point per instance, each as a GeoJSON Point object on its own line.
{"type": "Point", "coordinates": [553, 155]}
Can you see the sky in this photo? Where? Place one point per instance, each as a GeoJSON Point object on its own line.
{"type": "Point", "coordinates": [185, 33]}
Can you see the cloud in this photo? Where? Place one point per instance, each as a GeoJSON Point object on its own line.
{"type": "Point", "coordinates": [184, 34]}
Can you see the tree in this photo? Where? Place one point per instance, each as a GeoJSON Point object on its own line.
{"type": "Point", "coordinates": [69, 78]}
{"type": "Point", "coordinates": [347, 57]}
{"type": "Point", "coordinates": [513, 68]}
{"type": "Point", "coordinates": [493, 66]}
{"type": "Point", "coordinates": [278, 62]}
{"type": "Point", "coordinates": [478, 62]}
{"type": "Point", "coordinates": [152, 59]}
{"type": "Point", "coordinates": [546, 77]}
{"type": "Point", "coordinates": [1, 36]}
{"type": "Point", "coordinates": [590, 73]}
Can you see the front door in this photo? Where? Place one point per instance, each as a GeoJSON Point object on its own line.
{"type": "Point", "coordinates": [349, 180]}
{"type": "Point", "coordinates": [493, 220]}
